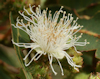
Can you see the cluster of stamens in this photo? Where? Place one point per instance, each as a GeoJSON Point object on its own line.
{"type": "Point", "coordinates": [49, 35]}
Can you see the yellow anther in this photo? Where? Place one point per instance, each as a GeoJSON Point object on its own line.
{"type": "Point", "coordinates": [71, 18]}
{"type": "Point", "coordinates": [19, 12]}
{"type": "Point", "coordinates": [46, 8]}
{"type": "Point", "coordinates": [65, 17]}
{"type": "Point", "coordinates": [62, 7]}
{"type": "Point", "coordinates": [81, 33]}
{"type": "Point", "coordinates": [28, 23]}
{"type": "Point", "coordinates": [44, 11]}
{"type": "Point", "coordinates": [68, 14]}
{"type": "Point", "coordinates": [74, 21]}
{"type": "Point", "coordinates": [80, 36]}
{"type": "Point", "coordinates": [39, 6]}
{"type": "Point", "coordinates": [64, 12]}
{"type": "Point", "coordinates": [77, 18]}
{"type": "Point", "coordinates": [85, 40]}
{"type": "Point", "coordinates": [79, 26]}
{"type": "Point", "coordinates": [88, 42]}
{"type": "Point", "coordinates": [21, 20]}
{"type": "Point", "coordinates": [61, 19]}
{"type": "Point", "coordinates": [49, 11]}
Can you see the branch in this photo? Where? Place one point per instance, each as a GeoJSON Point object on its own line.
{"type": "Point", "coordinates": [89, 33]}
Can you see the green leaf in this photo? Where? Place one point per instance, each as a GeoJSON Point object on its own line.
{"type": "Point", "coordinates": [77, 4]}
{"type": "Point", "coordinates": [7, 63]}
{"type": "Point", "coordinates": [17, 37]}
{"type": "Point", "coordinates": [91, 26]}
{"type": "Point", "coordinates": [82, 75]}
{"type": "Point", "coordinates": [4, 74]}
{"type": "Point", "coordinates": [91, 29]}
{"type": "Point", "coordinates": [35, 68]}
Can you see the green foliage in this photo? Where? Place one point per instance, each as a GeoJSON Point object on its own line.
{"type": "Point", "coordinates": [16, 36]}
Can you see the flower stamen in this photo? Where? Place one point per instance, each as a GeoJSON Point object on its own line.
{"type": "Point", "coordinates": [49, 35]}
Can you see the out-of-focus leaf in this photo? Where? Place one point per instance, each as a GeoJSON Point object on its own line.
{"type": "Point", "coordinates": [8, 56]}
{"type": "Point", "coordinates": [7, 63]}
{"type": "Point", "coordinates": [82, 75]}
{"type": "Point", "coordinates": [1, 36]}
{"type": "Point", "coordinates": [92, 10]}
{"type": "Point", "coordinates": [9, 68]}
{"type": "Point", "coordinates": [77, 4]}
{"type": "Point", "coordinates": [3, 74]}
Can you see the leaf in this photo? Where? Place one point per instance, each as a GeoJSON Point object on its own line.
{"type": "Point", "coordinates": [91, 25]}
{"type": "Point", "coordinates": [91, 30]}
{"type": "Point", "coordinates": [4, 69]}
{"type": "Point", "coordinates": [82, 75]}
{"type": "Point", "coordinates": [3, 74]}
{"type": "Point", "coordinates": [77, 4]}
{"type": "Point", "coordinates": [16, 35]}
{"type": "Point", "coordinates": [35, 68]}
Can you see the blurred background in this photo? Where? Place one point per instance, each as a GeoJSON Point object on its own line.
{"type": "Point", "coordinates": [88, 12]}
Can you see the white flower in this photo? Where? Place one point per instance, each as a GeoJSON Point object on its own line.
{"type": "Point", "coordinates": [49, 35]}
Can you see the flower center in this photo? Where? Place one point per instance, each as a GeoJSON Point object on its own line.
{"type": "Point", "coordinates": [49, 38]}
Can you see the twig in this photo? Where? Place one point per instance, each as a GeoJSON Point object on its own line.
{"type": "Point", "coordinates": [89, 6]}
{"type": "Point", "coordinates": [89, 33]}
{"type": "Point", "coordinates": [83, 16]}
